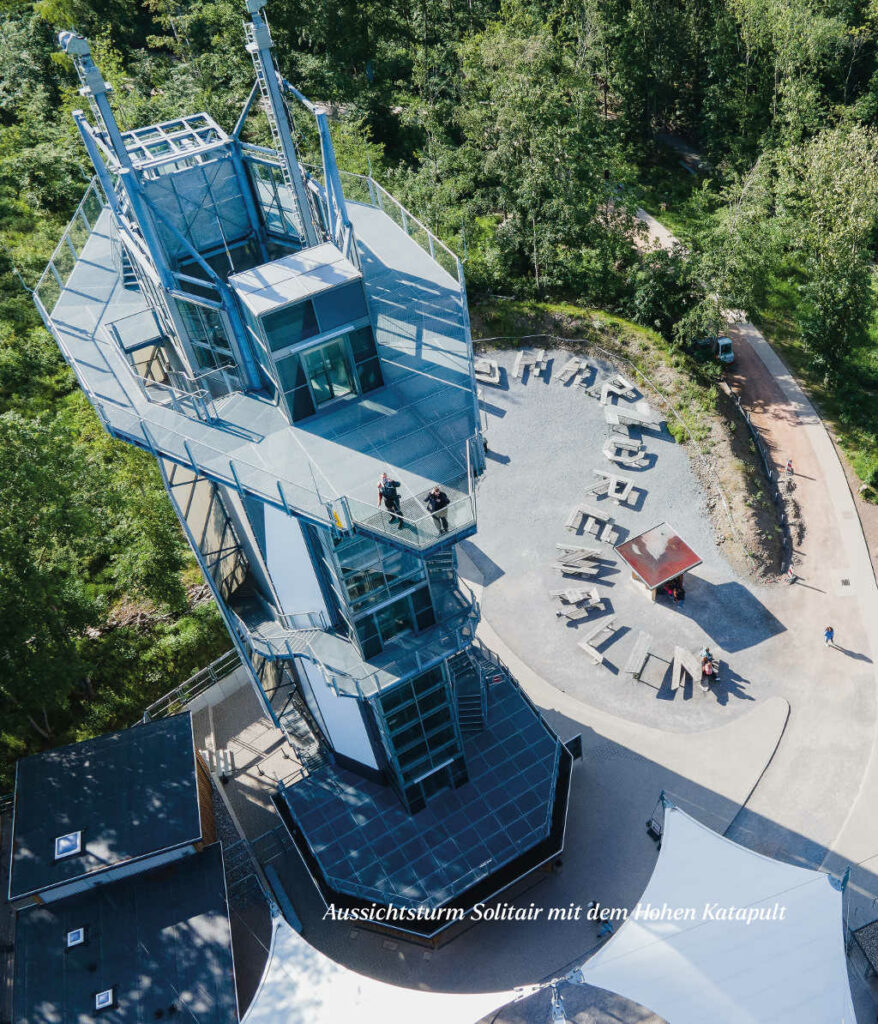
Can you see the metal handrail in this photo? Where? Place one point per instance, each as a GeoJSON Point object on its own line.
{"type": "Point", "coordinates": [303, 620]}
{"type": "Point", "coordinates": [175, 700]}
{"type": "Point", "coordinates": [407, 216]}
{"type": "Point", "coordinates": [79, 216]}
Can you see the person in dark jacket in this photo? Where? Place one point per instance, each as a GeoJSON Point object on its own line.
{"type": "Point", "coordinates": [388, 492]}
{"type": "Point", "coordinates": [437, 503]}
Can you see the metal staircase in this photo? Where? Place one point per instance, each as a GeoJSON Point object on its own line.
{"type": "Point", "coordinates": [469, 692]}
{"type": "Point", "coordinates": [294, 719]}
{"type": "Point", "coordinates": [270, 633]}
{"type": "Point", "coordinates": [129, 278]}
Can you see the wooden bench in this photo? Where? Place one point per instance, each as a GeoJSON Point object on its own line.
{"type": "Point", "coordinates": [571, 368]}
{"type": "Point", "coordinates": [684, 663]}
{"type": "Point", "coordinates": [577, 551]}
{"type": "Point", "coordinates": [574, 519]}
{"type": "Point", "coordinates": [576, 570]}
{"type": "Point", "coordinates": [641, 414]}
{"type": "Point", "coordinates": [584, 511]}
{"type": "Point", "coordinates": [578, 609]}
{"type": "Point", "coordinates": [610, 535]}
{"type": "Point", "coordinates": [486, 371]}
{"type": "Point", "coordinates": [637, 658]}
{"type": "Point", "coordinates": [590, 641]}
{"type": "Point", "coordinates": [626, 453]}
{"type": "Point", "coordinates": [518, 366]}
{"type": "Point", "coordinates": [633, 457]}
{"type": "Point", "coordinates": [622, 386]}
{"type": "Point", "coordinates": [574, 559]}
{"type": "Point", "coordinates": [619, 488]}
{"type": "Point", "coordinates": [572, 595]}
{"type": "Point", "coordinates": [600, 486]}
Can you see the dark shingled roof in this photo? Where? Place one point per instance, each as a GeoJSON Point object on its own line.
{"type": "Point", "coordinates": [130, 793]}
{"type": "Point", "coordinates": [161, 940]}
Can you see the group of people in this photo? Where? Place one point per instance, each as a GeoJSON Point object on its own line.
{"type": "Point", "coordinates": [674, 590]}
{"type": "Point", "coordinates": [437, 502]}
{"type": "Point", "coordinates": [709, 668]}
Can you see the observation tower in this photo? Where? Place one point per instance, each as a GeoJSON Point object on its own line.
{"type": "Point", "coordinates": [277, 336]}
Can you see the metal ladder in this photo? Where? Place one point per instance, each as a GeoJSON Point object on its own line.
{"type": "Point", "coordinates": [253, 50]}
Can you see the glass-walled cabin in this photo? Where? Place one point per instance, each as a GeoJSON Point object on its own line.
{"type": "Point", "coordinates": [308, 323]}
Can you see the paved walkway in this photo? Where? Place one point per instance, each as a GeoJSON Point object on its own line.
{"type": "Point", "coordinates": [832, 560]}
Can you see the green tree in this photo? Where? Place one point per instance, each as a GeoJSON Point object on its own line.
{"type": "Point", "coordinates": [536, 156]}
{"type": "Point", "coordinates": [46, 517]}
{"type": "Point", "coordinates": [828, 201]}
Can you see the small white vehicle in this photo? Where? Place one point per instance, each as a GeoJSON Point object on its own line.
{"type": "Point", "coordinates": [723, 351]}
{"type": "Point", "coordinates": [721, 347]}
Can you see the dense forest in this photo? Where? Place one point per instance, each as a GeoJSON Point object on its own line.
{"type": "Point", "coordinates": [526, 133]}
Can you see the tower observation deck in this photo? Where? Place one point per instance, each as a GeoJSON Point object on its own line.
{"type": "Point", "coordinates": [277, 336]}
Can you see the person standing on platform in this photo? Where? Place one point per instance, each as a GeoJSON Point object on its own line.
{"type": "Point", "coordinates": [437, 504]}
{"type": "Point", "coordinates": [388, 492]}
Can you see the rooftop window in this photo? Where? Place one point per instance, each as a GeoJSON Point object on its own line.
{"type": "Point", "coordinates": [105, 1000]}
{"type": "Point", "coordinates": [75, 937]}
{"type": "Point", "coordinates": [68, 845]}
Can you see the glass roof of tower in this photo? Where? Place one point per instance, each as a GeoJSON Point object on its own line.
{"type": "Point", "coordinates": [368, 846]}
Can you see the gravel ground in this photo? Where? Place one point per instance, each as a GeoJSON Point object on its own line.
{"type": "Point", "coordinates": [545, 439]}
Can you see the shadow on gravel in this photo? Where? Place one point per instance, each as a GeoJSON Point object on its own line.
{"type": "Point", "coordinates": [729, 614]}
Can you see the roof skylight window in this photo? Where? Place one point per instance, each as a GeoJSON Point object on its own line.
{"type": "Point", "coordinates": [75, 937]}
{"type": "Point", "coordinates": [68, 845]}
{"type": "Point", "coordinates": [104, 1000]}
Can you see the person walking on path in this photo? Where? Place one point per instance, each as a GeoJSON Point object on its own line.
{"type": "Point", "coordinates": [790, 470]}
{"type": "Point", "coordinates": [829, 636]}
{"type": "Point", "coordinates": [388, 492]}
{"type": "Point", "coordinates": [437, 504]}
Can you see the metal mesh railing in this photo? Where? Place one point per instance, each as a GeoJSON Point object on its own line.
{"type": "Point", "coordinates": [175, 701]}
{"type": "Point", "coordinates": [60, 266]}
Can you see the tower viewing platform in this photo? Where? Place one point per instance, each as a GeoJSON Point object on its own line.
{"type": "Point", "coordinates": [421, 427]}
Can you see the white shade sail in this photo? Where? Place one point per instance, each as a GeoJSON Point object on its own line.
{"type": "Point", "coordinates": [786, 968]}
{"type": "Point", "coordinates": [302, 986]}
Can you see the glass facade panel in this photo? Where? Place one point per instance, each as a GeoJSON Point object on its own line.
{"type": "Point", "coordinates": [278, 207]}
{"type": "Point", "coordinates": [394, 619]}
{"type": "Point", "coordinates": [341, 306]}
{"type": "Point", "coordinates": [290, 325]}
{"type": "Point", "coordinates": [328, 371]}
{"type": "Point", "coordinates": [423, 743]}
{"type": "Point", "coordinates": [381, 592]}
{"type": "Point", "coordinates": [362, 342]}
{"type": "Point", "coordinates": [206, 334]}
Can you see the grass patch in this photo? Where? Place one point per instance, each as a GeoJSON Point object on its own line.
{"type": "Point", "coordinates": [680, 200]}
